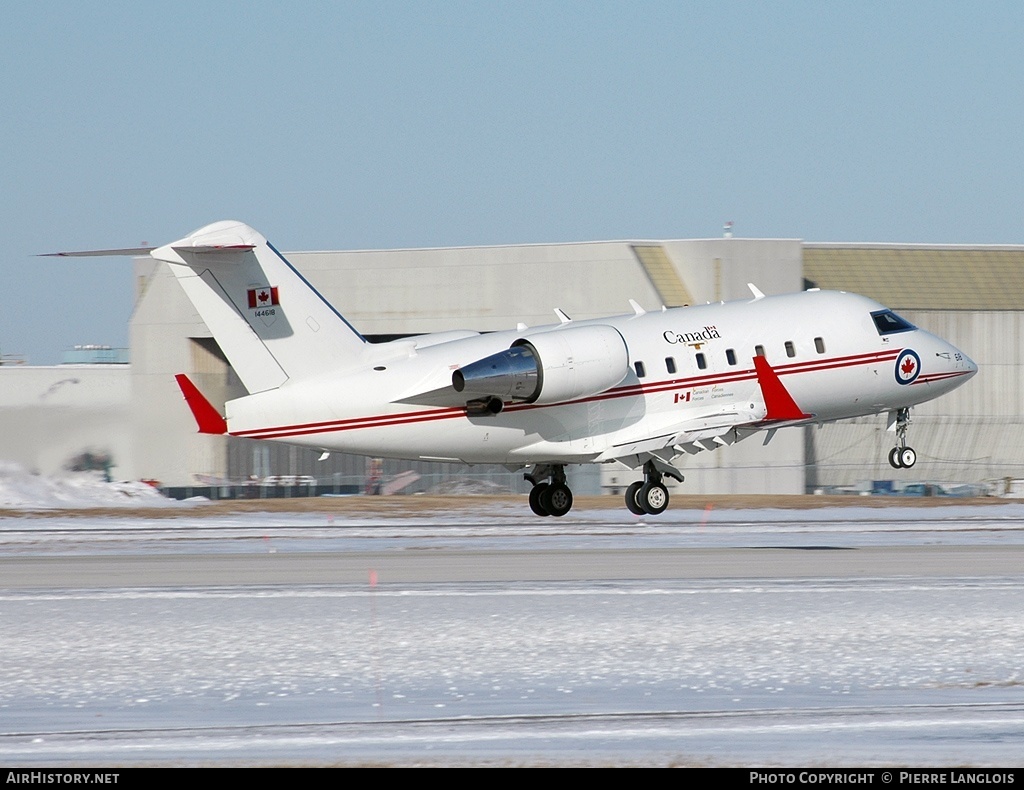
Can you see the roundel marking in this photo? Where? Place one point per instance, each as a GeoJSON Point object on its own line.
{"type": "Point", "coordinates": [908, 366]}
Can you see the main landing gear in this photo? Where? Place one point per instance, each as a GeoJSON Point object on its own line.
{"type": "Point", "coordinates": [901, 456]}
{"type": "Point", "coordinates": [549, 498]}
{"type": "Point", "coordinates": [649, 496]}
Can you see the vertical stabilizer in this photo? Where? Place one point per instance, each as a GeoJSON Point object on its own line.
{"type": "Point", "coordinates": [270, 322]}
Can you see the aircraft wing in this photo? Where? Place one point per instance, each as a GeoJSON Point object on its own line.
{"type": "Point", "coordinates": [707, 431]}
{"type": "Point", "coordinates": [724, 426]}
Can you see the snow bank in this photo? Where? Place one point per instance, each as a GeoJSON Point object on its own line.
{"type": "Point", "coordinates": [24, 491]}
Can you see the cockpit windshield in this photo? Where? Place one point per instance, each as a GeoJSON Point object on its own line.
{"type": "Point", "coordinates": [888, 323]}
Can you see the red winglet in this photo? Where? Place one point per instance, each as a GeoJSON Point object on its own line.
{"type": "Point", "coordinates": [777, 400]}
{"type": "Point", "coordinates": [207, 418]}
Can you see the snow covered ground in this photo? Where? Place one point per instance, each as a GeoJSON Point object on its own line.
{"type": "Point", "coordinates": [740, 674]}
{"type": "Point", "coordinates": [484, 523]}
{"type": "Point", "coordinates": [758, 671]}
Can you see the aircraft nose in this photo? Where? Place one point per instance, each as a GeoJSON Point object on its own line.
{"type": "Point", "coordinates": [969, 365]}
{"type": "Point", "coordinates": [961, 363]}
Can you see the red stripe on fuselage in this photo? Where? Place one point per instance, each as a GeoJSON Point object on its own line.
{"type": "Point", "coordinates": [429, 415]}
{"type": "Point", "coordinates": [938, 377]}
{"type": "Point", "coordinates": [351, 424]}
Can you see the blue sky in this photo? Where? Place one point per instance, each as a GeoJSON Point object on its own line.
{"type": "Point", "coordinates": [395, 124]}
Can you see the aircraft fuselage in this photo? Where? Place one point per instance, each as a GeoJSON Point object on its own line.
{"type": "Point", "coordinates": [683, 364]}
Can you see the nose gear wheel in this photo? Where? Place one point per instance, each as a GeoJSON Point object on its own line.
{"type": "Point", "coordinates": [901, 456]}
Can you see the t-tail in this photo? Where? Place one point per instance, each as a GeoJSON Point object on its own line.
{"type": "Point", "coordinates": [270, 322]}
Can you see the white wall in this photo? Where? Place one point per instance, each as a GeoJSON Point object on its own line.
{"type": "Point", "coordinates": [48, 415]}
{"type": "Point", "coordinates": [167, 445]}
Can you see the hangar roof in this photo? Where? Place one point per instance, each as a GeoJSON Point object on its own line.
{"type": "Point", "coordinates": [921, 277]}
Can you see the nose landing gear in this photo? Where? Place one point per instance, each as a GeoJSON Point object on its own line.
{"type": "Point", "coordinates": [901, 456]}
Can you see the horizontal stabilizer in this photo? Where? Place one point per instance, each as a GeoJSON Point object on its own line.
{"type": "Point", "coordinates": [214, 248]}
{"type": "Point", "coordinates": [135, 251]}
{"type": "Point", "coordinates": [207, 418]}
{"type": "Point", "coordinates": [125, 251]}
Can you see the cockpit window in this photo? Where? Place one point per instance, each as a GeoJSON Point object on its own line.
{"type": "Point", "coordinates": [888, 323]}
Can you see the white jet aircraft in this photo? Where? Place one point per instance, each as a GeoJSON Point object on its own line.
{"type": "Point", "coordinates": [642, 389]}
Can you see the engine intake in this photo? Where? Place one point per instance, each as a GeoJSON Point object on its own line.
{"type": "Point", "coordinates": [549, 367]}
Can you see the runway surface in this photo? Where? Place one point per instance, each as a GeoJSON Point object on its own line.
{"type": "Point", "coordinates": [487, 637]}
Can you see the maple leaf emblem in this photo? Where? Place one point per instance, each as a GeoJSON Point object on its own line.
{"type": "Point", "coordinates": [263, 296]}
{"type": "Point", "coordinates": [907, 367]}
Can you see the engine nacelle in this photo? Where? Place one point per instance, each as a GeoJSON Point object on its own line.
{"type": "Point", "coordinates": [549, 367]}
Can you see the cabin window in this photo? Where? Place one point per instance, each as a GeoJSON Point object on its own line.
{"type": "Point", "coordinates": [640, 372]}
{"type": "Point", "coordinates": [819, 345]}
{"type": "Point", "coordinates": [730, 356]}
{"type": "Point", "coordinates": [790, 349]}
{"type": "Point", "coordinates": [670, 365]}
{"type": "Point", "coordinates": [759, 351]}
{"type": "Point", "coordinates": [888, 323]}
{"type": "Point", "coordinates": [702, 363]}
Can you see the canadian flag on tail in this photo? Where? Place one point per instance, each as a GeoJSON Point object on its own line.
{"type": "Point", "coordinates": [262, 297]}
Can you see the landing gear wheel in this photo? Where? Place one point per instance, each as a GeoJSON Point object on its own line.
{"type": "Point", "coordinates": [556, 499]}
{"type": "Point", "coordinates": [550, 496]}
{"type": "Point", "coordinates": [653, 498]}
{"type": "Point", "coordinates": [535, 499]}
{"type": "Point", "coordinates": [901, 456]}
{"type": "Point", "coordinates": [631, 498]}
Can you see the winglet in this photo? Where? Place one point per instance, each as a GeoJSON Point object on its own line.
{"type": "Point", "coordinates": [207, 418]}
{"type": "Point", "coordinates": [777, 400]}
